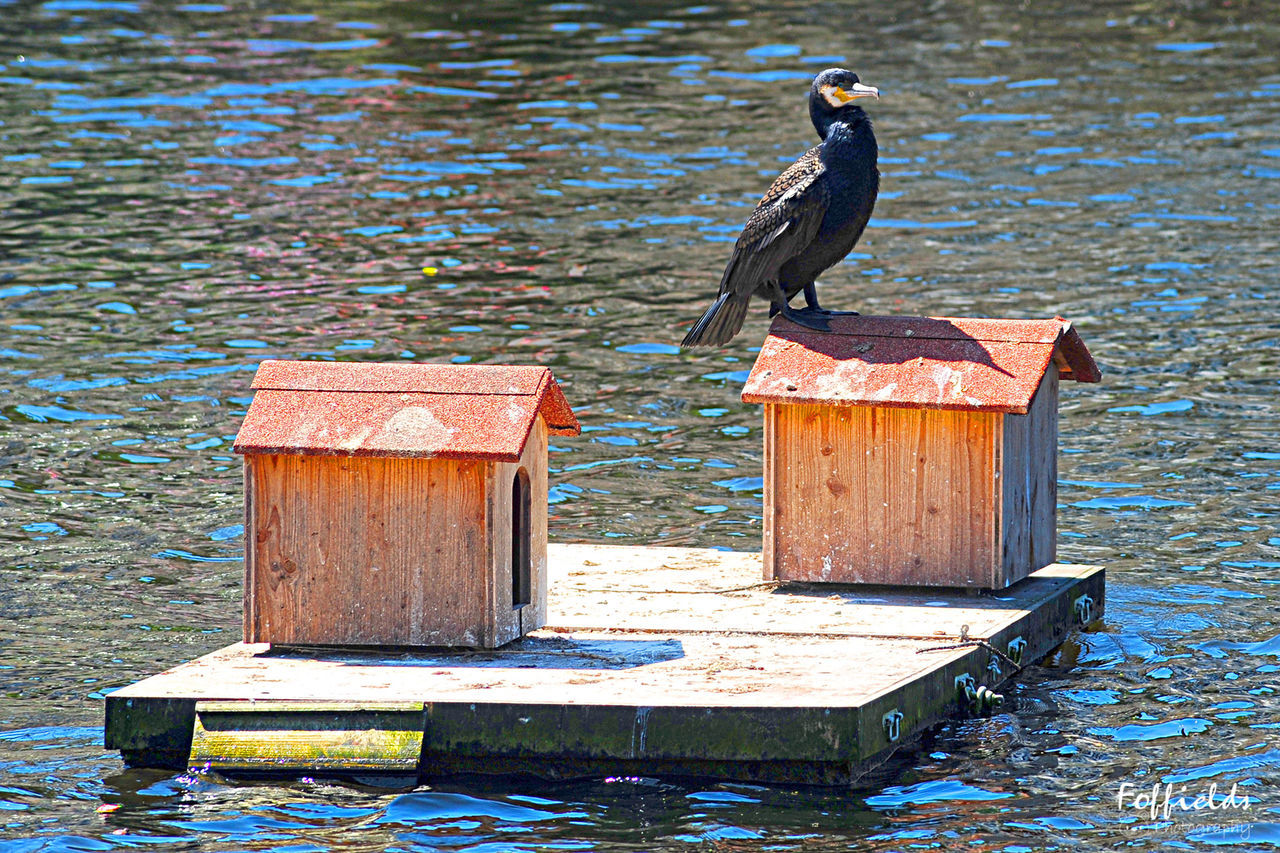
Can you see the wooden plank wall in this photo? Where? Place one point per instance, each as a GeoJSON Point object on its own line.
{"type": "Point", "coordinates": [1029, 485]}
{"type": "Point", "coordinates": [365, 550]}
{"type": "Point", "coordinates": [879, 495]}
{"type": "Point", "coordinates": [507, 623]}
{"type": "Point", "coordinates": [1013, 480]}
{"type": "Point", "coordinates": [1043, 464]}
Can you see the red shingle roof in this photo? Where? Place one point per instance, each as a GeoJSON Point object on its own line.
{"type": "Point", "coordinates": [451, 411]}
{"type": "Point", "coordinates": [916, 362]}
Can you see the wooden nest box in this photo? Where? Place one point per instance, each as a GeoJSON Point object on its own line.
{"type": "Point", "coordinates": [397, 504]}
{"type": "Point", "coordinates": [913, 450]}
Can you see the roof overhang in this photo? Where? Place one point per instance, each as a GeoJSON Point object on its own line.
{"type": "Point", "coordinates": [445, 411]}
{"type": "Point", "coordinates": [916, 362]}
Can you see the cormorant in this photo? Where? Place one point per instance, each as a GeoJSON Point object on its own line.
{"type": "Point", "coordinates": [808, 220]}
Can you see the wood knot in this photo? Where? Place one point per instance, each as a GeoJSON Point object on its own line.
{"type": "Point", "coordinates": [282, 571]}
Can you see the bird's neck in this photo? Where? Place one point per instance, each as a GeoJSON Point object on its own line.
{"type": "Point", "coordinates": [845, 123]}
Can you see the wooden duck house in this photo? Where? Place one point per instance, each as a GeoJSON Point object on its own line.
{"type": "Point", "coordinates": [912, 450]}
{"type": "Point", "coordinates": [397, 504]}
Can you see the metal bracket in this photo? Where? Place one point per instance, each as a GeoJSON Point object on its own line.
{"type": "Point", "coordinates": [976, 699]}
{"type": "Point", "coordinates": [1016, 647]}
{"type": "Point", "coordinates": [987, 699]}
{"type": "Point", "coordinates": [892, 723]}
{"type": "Point", "coordinates": [993, 668]}
{"type": "Point", "coordinates": [1083, 607]}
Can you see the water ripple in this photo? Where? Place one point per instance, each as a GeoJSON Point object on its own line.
{"type": "Point", "coordinates": [190, 189]}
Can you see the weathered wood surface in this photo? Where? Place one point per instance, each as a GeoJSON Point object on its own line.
{"type": "Point", "coordinates": [695, 589]}
{"type": "Point", "coordinates": [1027, 479]}
{"type": "Point", "coordinates": [365, 550]}
{"type": "Point", "coordinates": [389, 551]}
{"type": "Point", "coordinates": [929, 497]}
{"type": "Point", "coordinates": [507, 621]}
{"type": "Point", "coordinates": [880, 495]}
{"type": "Point", "coordinates": [1042, 432]}
{"type": "Point", "coordinates": [655, 660]}
{"type": "Point", "coordinates": [578, 668]}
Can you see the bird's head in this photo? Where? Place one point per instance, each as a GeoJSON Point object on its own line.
{"type": "Point", "coordinates": [834, 96]}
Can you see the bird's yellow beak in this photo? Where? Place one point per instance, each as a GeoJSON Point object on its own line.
{"type": "Point", "coordinates": [857, 90]}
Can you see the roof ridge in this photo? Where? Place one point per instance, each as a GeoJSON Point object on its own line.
{"type": "Point", "coordinates": [444, 392]}
{"type": "Point", "coordinates": [398, 377]}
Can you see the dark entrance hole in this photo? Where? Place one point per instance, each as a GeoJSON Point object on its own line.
{"type": "Point", "coordinates": [521, 534]}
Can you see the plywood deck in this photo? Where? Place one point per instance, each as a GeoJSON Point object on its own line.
{"type": "Point", "coordinates": [655, 661]}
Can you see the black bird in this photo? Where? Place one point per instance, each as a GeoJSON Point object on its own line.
{"type": "Point", "coordinates": [808, 220]}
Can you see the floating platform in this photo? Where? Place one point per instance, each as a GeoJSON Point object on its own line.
{"type": "Point", "coordinates": [655, 661]}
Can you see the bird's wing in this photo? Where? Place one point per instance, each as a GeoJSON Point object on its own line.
{"type": "Point", "coordinates": [784, 222]}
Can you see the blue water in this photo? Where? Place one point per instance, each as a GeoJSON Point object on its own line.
{"type": "Point", "coordinates": [186, 190]}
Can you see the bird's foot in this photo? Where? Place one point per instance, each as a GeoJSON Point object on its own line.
{"type": "Point", "coordinates": [811, 303]}
{"type": "Point", "coordinates": [811, 317]}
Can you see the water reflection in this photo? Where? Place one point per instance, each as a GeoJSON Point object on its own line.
{"type": "Point", "coordinates": [189, 189]}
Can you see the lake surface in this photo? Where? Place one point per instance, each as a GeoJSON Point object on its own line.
{"type": "Point", "coordinates": [186, 190]}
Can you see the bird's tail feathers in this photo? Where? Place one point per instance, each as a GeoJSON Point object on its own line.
{"type": "Point", "coordinates": [719, 324]}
